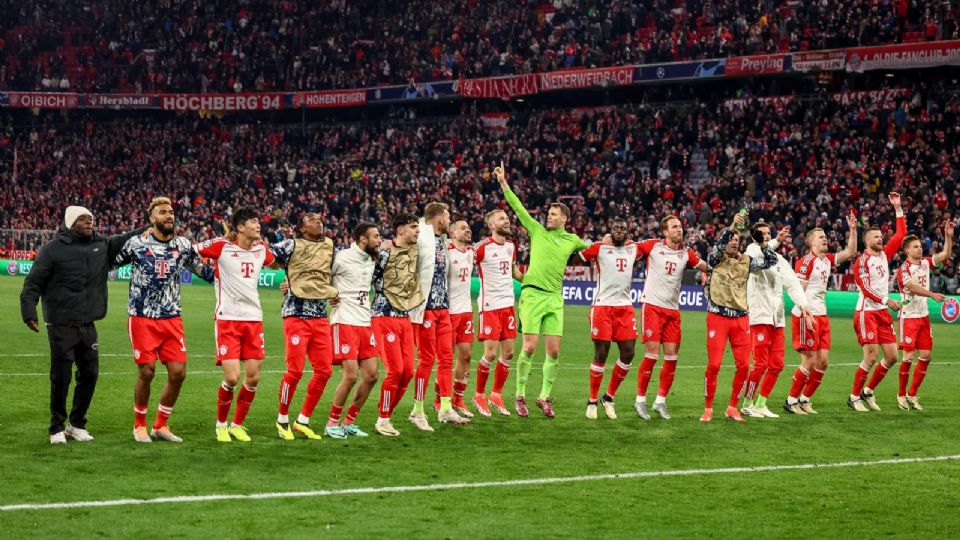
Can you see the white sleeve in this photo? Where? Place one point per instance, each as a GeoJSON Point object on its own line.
{"type": "Point", "coordinates": [753, 251]}
{"type": "Point", "coordinates": [791, 283]}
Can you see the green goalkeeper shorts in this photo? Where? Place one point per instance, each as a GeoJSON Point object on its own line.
{"type": "Point", "coordinates": [541, 312]}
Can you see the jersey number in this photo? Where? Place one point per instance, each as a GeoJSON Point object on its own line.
{"type": "Point", "coordinates": [469, 328]}
{"type": "Point", "coordinates": [362, 298]}
{"type": "Point", "coordinates": [510, 323]}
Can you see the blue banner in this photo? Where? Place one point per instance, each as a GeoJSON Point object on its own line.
{"type": "Point", "coordinates": [701, 69]}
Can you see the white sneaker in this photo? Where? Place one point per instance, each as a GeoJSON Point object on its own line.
{"type": "Point", "coordinates": [902, 403]}
{"type": "Point", "coordinates": [857, 405]}
{"type": "Point", "coordinates": [140, 435]}
{"type": "Point", "coordinates": [662, 410]}
{"type": "Point", "coordinates": [58, 438]}
{"type": "Point", "coordinates": [765, 412]}
{"type": "Point", "coordinates": [79, 435]}
{"type": "Point", "coordinates": [806, 407]}
{"type": "Point", "coordinates": [451, 417]}
{"type": "Point", "coordinates": [751, 411]}
{"type": "Point", "coordinates": [870, 399]}
{"type": "Point", "coordinates": [164, 434]}
{"type": "Point", "coordinates": [592, 411]}
{"type": "Point", "coordinates": [420, 420]}
{"type": "Point", "coordinates": [385, 428]}
{"type": "Point", "coordinates": [609, 409]}
{"type": "Point", "coordinates": [915, 403]}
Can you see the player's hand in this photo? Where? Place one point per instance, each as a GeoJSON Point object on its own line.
{"type": "Point", "coordinates": [33, 325]}
{"type": "Point", "coordinates": [939, 298]}
{"type": "Point", "coordinates": [500, 173]}
{"type": "Point", "coordinates": [894, 199]}
{"type": "Point", "coordinates": [948, 229]}
{"type": "Point", "coordinates": [807, 318]}
{"type": "Point", "coordinates": [852, 220]}
{"type": "Point", "coordinates": [893, 304]}
{"type": "Point", "coordinates": [285, 288]}
{"type": "Point", "coordinates": [335, 301]}
{"type": "Point", "coordinates": [737, 220]}
{"type": "Point", "coordinates": [784, 235]}
{"type": "Point", "coordinates": [607, 240]}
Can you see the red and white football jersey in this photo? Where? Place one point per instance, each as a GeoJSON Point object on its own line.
{"type": "Point", "coordinates": [495, 264]}
{"type": "Point", "coordinates": [872, 272]}
{"type": "Point", "coordinates": [236, 276]}
{"type": "Point", "coordinates": [459, 279]}
{"type": "Point", "coordinates": [919, 274]}
{"type": "Point", "coordinates": [614, 267]}
{"type": "Point", "coordinates": [816, 272]}
{"type": "Point", "coordinates": [352, 275]}
{"type": "Point", "coordinates": [665, 272]}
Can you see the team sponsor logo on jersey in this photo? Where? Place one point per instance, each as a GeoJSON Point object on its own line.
{"type": "Point", "coordinates": [295, 340]}
{"type": "Point", "coordinates": [950, 310]}
{"type": "Point", "coordinates": [344, 349]}
{"type": "Point", "coordinates": [391, 337]}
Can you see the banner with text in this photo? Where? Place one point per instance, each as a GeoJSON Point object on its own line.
{"type": "Point", "coordinates": [818, 60]}
{"type": "Point", "coordinates": [904, 56]}
{"type": "Point", "coordinates": [761, 64]}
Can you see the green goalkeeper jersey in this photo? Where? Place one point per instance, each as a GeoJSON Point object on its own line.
{"type": "Point", "coordinates": [549, 250]}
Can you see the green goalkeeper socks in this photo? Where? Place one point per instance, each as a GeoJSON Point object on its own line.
{"type": "Point", "coordinates": [524, 364]}
{"type": "Point", "coordinates": [417, 407]}
{"type": "Point", "coordinates": [550, 364]}
{"type": "Point", "coordinates": [760, 402]}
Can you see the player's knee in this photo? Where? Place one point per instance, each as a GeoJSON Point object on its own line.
{"type": "Point", "coordinates": [176, 377]}
{"type": "Point", "coordinates": [350, 378]}
{"type": "Point", "coordinates": [293, 375]}
{"type": "Point", "coordinates": [147, 373]}
{"type": "Point", "coordinates": [232, 379]}
{"type": "Point", "coordinates": [252, 380]}
{"type": "Point", "coordinates": [370, 377]}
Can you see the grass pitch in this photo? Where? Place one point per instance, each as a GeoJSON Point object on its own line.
{"type": "Point", "coordinates": [904, 498]}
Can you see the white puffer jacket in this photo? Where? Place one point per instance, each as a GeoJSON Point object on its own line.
{"type": "Point", "coordinates": [765, 289]}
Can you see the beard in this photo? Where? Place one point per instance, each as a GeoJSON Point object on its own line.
{"type": "Point", "coordinates": [371, 251]}
{"type": "Point", "coordinates": [505, 232]}
{"type": "Point", "coordinates": [165, 228]}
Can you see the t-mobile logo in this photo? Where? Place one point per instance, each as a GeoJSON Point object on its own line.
{"type": "Point", "coordinates": [161, 268]}
{"type": "Point", "coordinates": [247, 269]}
{"type": "Point", "coordinates": [671, 267]}
{"type": "Point", "coordinates": [504, 267]}
{"type": "Point", "coordinates": [621, 265]}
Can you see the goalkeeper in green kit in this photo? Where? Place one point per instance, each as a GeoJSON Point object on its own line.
{"type": "Point", "coordinates": [541, 296]}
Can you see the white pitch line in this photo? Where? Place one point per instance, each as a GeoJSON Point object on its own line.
{"type": "Point", "coordinates": [536, 364]}
{"type": "Point", "coordinates": [468, 485]}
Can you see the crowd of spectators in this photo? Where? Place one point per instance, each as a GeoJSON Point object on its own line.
{"type": "Point", "coordinates": [265, 45]}
{"type": "Point", "coordinates": [802, 163]}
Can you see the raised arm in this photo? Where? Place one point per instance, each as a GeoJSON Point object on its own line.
{"type": "Point", "coordinates": [717, 255]}
{"type": "Point", "coordinates": [525, 218]}
{"type": "Point", "coordinates": [851, 250]}
{"type": "Point", "coordinates": [893, 245]}
{"type": "Point", "coordinates": [116, 243]}
{"type": "Point", "coordinates": [947, 252]}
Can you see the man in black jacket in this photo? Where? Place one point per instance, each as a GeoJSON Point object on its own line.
{"type": "Point", "coordinates": [70, 275]}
